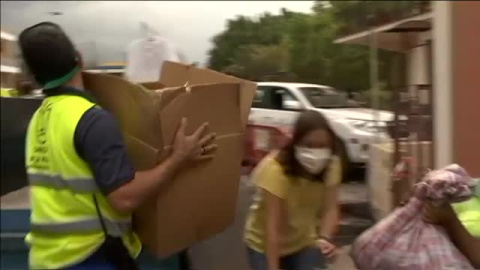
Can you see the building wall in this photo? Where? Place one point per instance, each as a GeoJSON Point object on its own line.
{"type": "Point", "coordinates": [442, 83]}
{"type": "Point", "coordinates": [7, 79]}
{"type": "Point", "coordinates": [9, 60]}
{"type": "Point", "coordinates": [9, 52]}
{"type": "Point", "coordinates": [466, 84]}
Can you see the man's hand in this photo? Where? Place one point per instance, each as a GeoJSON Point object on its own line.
{"type": "Point", "coordinates": [438, 215]}
{"type": "Point", "coordinates": [194, 148]}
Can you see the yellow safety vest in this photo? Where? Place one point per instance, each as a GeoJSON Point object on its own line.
{"type": "Point", "coordinates": [8, 92]}
{"type": "Point", "coordinates": [468, 213]}
{"type": "Point", "coordinates": [65, 228]}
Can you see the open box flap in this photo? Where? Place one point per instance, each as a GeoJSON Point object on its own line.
{"type": "Point", "coordinates": [136, 111]}
{"type": "Point", "coordinates": [177, 74]}
{"type": "Point", "coordinates": [131, 103]}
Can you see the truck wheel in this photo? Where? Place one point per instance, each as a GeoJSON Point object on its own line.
{"type": "Point", "coordinates": [345, 161]}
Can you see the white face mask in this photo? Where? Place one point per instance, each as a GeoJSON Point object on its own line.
{"type": "Point", "coordinates": [313, 160]}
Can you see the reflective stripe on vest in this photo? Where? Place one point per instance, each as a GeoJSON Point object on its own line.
{"type": "Point", "coordinates": [77, 184]}
{"type": "Point", "coordinates": [114, 228]}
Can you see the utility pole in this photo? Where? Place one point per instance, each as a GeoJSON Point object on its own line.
{"type": "Point", "coordinates": [373, 56]}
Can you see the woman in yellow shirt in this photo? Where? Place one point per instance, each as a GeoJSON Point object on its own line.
{"type": "Point", "coordinates": [294, 212]}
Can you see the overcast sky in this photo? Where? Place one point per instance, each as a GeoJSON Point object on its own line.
{"type": "Point", "coordinates": [112, 25]}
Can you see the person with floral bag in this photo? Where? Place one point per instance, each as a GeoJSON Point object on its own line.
{"type": "Point", "coordinates": [462, 223]}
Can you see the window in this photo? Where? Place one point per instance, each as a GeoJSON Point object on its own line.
{"type": "Point", "coordinates": [326, 98]}
{"type": "Point", "coordinates": [283, 99]}
{"type": "Point", "coordinates": [260, 100]}
{"type": "Point", "coordinates": [275, 98]}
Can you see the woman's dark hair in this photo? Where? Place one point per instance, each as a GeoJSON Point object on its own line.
{"type": "Point", "coordinates": [47, 52]}
{"type": "Point", "coordinates": [307, 122]}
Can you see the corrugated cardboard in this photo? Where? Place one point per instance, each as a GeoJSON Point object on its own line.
{"type": "Point", "coordinates": [201, 201]}
{"type": "Point", "coordinates": [176, 74]}
{"type": "Point", "coordinates": [137, 111]}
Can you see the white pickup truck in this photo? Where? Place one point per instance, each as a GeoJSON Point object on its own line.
{"type": "Point", "coordinates": [278, 104]}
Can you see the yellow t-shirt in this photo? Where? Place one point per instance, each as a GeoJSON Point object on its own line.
{"type": "Point", "coordinates": [304, 200]}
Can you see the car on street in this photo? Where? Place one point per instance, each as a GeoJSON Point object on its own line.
{"type": "Point", "coordinates": [278, 104]}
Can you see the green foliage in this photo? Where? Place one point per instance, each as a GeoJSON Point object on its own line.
{"type": "Point", "coordinates": [300, 45]}
{"type": "Point", "coordinates": [253, 62]}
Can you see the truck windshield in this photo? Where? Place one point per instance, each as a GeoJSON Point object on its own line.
{"type": "Point", "coordinates": [328, 98]}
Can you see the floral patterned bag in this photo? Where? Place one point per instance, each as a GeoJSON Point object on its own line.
{"type": "Point", "coordinates": [403, 240]}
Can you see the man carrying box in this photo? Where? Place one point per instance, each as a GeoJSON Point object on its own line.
{"type": "Point", "coordinates": [83, 185]}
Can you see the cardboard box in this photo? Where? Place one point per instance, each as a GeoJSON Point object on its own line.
{"type": "Point", "coordinates": [176, 74]}
{"type": "Point", "coordinates": [201, 201]}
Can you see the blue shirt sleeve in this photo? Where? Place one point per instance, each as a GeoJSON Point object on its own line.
{"type": "Point", "coordinates": [99, 141]}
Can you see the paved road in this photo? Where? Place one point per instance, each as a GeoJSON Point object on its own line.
{"type": "Point", "coordinates": [226, 250]}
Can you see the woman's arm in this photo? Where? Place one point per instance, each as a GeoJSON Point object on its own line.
{"type": "Point", "coordinates": [273, 207]}
{"type": "Point", "coordinates": [463, 240]}
{"type": "Point", "coordinates": [329, 219]}
{"type": "Point", "coordinates": [328, 222]}
{"type": "Point", "coordinates": [330, 199]}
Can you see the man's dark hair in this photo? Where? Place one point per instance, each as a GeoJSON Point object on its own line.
{"type": "Point", "coordinates": [47, 51]}
{"type": "Point", "coordinates": [307, 122]}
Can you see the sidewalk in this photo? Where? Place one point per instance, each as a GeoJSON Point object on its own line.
{"type": "Point", "coordinates": [343, 261]}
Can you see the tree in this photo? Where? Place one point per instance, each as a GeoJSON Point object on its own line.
{"type": "Point", "coordinates": [243, 31]}
{"type": "Point", "coordinates": [254, 62]}
{"type": "Point", "coordinates": [300, 44]}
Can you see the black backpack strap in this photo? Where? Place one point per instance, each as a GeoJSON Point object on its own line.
{"type": "Point", "coordinates": [102, 222]}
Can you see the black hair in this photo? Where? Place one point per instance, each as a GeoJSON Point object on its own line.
{"type": "Point", "coordinates": [307, 122]}
{"type": "Point", "coordinates": [47, 52]}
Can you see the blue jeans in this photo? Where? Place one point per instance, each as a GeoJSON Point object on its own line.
{"type": "Point", "coordinates": [305, 259]}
